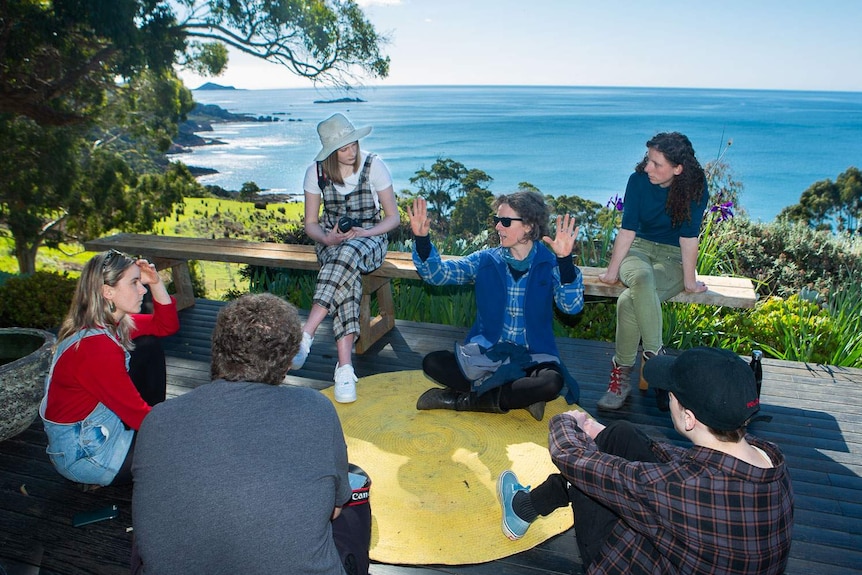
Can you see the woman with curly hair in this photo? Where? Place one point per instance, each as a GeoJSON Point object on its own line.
{"type": "Point", "coordinates": [655, 252]}
{"type": "Point", "coordinates": [509, 359]}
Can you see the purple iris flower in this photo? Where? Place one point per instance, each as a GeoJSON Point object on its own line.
{"type": "Point", "coordinates": [616, 203]}
{"type": "Point", "coordinates": [724, 211]}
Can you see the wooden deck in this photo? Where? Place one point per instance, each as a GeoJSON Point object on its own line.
{"type": "Point", "coordinates": [817, 421]}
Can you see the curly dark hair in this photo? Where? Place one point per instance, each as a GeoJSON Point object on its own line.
{"type": "Point", "coordinates": [255, 339]}
{"type": "Point", "coordinates": [689, 186]}
{"type": "Point", "coordinates": [532, 208]}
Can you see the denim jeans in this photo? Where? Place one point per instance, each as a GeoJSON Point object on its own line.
{"type": "Point", "coordinates": [90, 451]}
{"type": "Point", "coordinates": [652, 273]}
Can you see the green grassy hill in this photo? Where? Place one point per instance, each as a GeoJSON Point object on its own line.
{"type": "Point", "coordinates": [196, 217]}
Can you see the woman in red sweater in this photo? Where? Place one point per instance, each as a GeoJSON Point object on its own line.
{"type": "Point", "coordinates": [91, 407]}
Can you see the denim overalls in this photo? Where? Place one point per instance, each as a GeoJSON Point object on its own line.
{"type": "Point", "coordinates": [91, 451]}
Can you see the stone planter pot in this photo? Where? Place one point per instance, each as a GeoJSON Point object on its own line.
{"type": "Point", "coordinates": [25, 357]}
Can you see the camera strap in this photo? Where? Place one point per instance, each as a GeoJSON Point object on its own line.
{"type": "Point", "coordinates": [322, 180]}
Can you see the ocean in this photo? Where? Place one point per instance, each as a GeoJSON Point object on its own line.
{"type": "Point", "coordinates": [563, 140]}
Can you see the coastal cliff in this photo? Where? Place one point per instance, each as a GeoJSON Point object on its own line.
{"type": "Point", "coordinates": [201, 119]}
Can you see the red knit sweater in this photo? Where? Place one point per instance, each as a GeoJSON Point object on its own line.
{"type": "Point", "coordinates": [94, 371]}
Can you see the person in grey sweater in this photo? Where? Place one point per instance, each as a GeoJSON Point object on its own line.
{"type": "Point", "coordinates": [242, 475]}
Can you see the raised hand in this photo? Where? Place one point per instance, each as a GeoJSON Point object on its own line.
{"type": "Point", "coordinates": [419, 222]}
{"type": "Point", "coordinates": [564, 240]}
{"type": "Point", "coordinates": [149, 275]}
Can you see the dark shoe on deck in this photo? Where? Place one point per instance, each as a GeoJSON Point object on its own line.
{"type": "Point", "coordinates": [537, 410]}
{"type": "Point", "coordinates": [438, 398]}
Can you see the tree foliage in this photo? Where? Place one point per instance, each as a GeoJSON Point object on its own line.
{"type": "Point", "coordinates": [589, 215]}
{"type": "Point", "coordinates": [90, 100]}
{"type": "Point", "coordinates": [59, 58]}
{"type": "Point", "coordinates": [74, 182]}
{"type": "Point", "coordinates": [315, 39]}
{"type": "Point", "coordinates": [445, 185]}
{"type": "Point", "coordinates": [248, 191]}
{"type": "Point", "coordinates": [828, 205]}
{"type": "Point", "coordinates": [472, 213]}
{"type": "Point", "coordinates": [441, 185]}
{"type": "Point", "coordinates": [38, 172]}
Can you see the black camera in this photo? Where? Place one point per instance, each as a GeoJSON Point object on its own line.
{"type": "Point", "coordinates": [345, 223]}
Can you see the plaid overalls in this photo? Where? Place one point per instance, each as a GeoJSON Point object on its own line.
{"type": "Point", "coordinates": [339, 287]}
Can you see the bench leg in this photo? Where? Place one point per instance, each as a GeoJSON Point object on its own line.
{"type": "Point", "coordinates": [372, 329]}
{"type": "Point", "coordinates": [185, 293]}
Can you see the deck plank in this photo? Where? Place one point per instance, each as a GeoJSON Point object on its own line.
{"type": "Point", "coordinates": [817, 421]}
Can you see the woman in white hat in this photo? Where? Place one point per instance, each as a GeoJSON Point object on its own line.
{"type": "Point", "coordinates": [352, 186]}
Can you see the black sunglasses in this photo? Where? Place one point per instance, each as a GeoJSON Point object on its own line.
{"type": "Point", "coordinates": [112, 253]}
{"type": "Point", "coordinates": [506, 221]}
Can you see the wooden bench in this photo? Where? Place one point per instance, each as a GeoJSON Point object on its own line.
{"type": "Point", "coordinates": [175, 253]}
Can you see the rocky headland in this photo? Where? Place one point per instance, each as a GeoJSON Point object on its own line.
{"type": "Point", "coordinates": [192, 132]}
{"type": "Point", "coordinates": [201, 120]}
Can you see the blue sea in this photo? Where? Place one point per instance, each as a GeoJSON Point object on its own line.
{"type": "Point", "coordinates": [563, 140]}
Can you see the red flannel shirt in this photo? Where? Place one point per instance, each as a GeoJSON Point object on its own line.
{"type": "Point", "coordinates": [699, 511]}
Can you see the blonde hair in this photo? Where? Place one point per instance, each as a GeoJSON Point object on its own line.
{"type": "Point", "coordinates": [89, 307]}
{"type": "Point", "coordinates": [332, 169]}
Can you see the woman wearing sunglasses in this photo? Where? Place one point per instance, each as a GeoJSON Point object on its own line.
{"type": "Point", "coordinates": [509, 359]}
{"type": "Point", "coordinates": [93, 405]}
{"type": "Point", "coordinates": [654, 253]}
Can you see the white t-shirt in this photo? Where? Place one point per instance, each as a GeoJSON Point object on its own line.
{"type": "Point", "coordinates": [379, 177]}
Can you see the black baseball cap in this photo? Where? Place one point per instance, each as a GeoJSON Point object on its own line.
{"type": "Point", "coordinates": [715, 384]}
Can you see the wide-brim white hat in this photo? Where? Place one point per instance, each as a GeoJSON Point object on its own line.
{"type": "Point", "coordinates": [336, 132]}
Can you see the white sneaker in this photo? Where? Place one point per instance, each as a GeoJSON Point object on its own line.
{"type": "Point", "coordinates": [345, 384]}
{"type": "Point", "coordinates": [302, 354]}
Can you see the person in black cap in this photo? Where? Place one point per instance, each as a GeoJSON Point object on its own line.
{"type": "Point", "coordinates": [722, 506]}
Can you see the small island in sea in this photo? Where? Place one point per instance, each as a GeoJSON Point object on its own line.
{"type": "Point", "coordinates": [339, 101]}
{"type": "Point", "coordinates": [214, 86]}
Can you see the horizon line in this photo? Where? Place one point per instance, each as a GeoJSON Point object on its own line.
{"type": "Point", "coordinates": [349, 89]}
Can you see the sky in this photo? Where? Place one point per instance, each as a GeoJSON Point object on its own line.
{"type": "Point", "coordinates": [738, 44]}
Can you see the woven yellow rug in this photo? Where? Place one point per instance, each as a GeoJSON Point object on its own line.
{"type": "Point", "coordinates": [434, 473]}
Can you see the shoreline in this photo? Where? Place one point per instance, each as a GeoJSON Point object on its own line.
{"type": "Point", "coordinates": [568, 142]}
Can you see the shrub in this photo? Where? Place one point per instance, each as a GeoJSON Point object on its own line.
{"type": "Point", "coordinates": [597, 321]}
{"type": "Point", "coordinates": [782, 258]}
{"type": "Point", "coordinates": [792, 328]}
{"type": "Point", "coordinates": [40, 300]}
{"type": "Point", "coordinates": [291, 233]}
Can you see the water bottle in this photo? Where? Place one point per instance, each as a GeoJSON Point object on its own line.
{"type": "Point", "coordinates": [757, 368]}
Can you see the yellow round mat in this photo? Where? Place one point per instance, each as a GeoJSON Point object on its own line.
{"type": "Point", "coordinates": [434, 473]}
